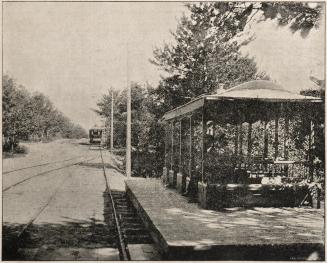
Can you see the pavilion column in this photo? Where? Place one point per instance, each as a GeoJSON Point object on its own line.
{"type": "Point", "coordinates": [237, 131]}
{"type": "Point", "coordinates": [265, 139]}
{"type": "Point", "coordinates": [276, 137]}
{"type": "Point", "coordinates": [241, 139]}
{"type": "Point", "coordinates": [286, 142]}
{"type": "Point", "coordinates": [250, 140]}
{"type": "Point", "coordinates": [190, 163]}
{"type": "Point", "coordinates": [172, 146]}
{"type": "Point", "coordinates": [204, 129]}
{"type": "Point", "coordinates": [166, 145]}
{"type": "Point", "coordinates": [311, 149]}
{"type": "Point", "coordinates": [286, 137]}
{"type": "Point", "coordinates": [180, 147]}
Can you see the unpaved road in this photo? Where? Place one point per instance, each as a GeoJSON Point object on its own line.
{"type": "Point", "coordinates": [58, 189]}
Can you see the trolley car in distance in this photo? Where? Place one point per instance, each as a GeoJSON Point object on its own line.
{"type": "Point", "coordinates": [95, 135]}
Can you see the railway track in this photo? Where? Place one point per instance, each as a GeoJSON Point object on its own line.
{"type": "Point", "coordinates": [39, 165]}
{"type": "Point", "coordinates": [123, 225]}
{"type": "Point", "coordinates": [122, 217]}
{"type": "Point", "coordinates": [47, 172]}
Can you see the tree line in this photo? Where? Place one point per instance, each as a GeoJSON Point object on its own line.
{"type": "Point", "coordinates": [204, 55]}
{"type": "Point", "coordinates": [147, 127]}
{"type": "Point", "coordinates": [32, 116]}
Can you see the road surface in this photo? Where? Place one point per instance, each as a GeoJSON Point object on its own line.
{"type": "Point", "coordinates": [58, 190]}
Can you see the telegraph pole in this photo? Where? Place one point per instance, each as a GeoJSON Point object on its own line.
{"type": "Point", "coordinates": [129, 120]}
{"type": "Point", "coordinates": [128, 133]}
{"type": "Point", "coordinates": [112, 122]}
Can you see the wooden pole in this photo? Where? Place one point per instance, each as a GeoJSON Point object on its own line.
{"type": "Point", "coordinates": [180, 146]}
{"type": "Point", "coordinates": [241, 139]}
{"type": "Point", "coordinates": [166, 145]}
{"type": "Point", "coordinates": [236, 139]}
{"type": "Point", "coordinates": [287, 123]}
{"type": "Point", "coordinates": [250, 140]}
{"type": "Point", "coordinates": [265, 139]}
{"type": "Point", "coordinates": [203, 145]}
{"type": "Point", "coordinates": [286, 142]}
{"type": "Point", "coordinates": [311, 149]}
{"type": "Point", "coordinates": [112, 122]}
{"type": "Point", "coordinates": [172, 146]}
{"type": "Point", "coordinates": [190, 164]}
{"type": "Point", "coordinates": [128, 133]}
{"type": "Point", "coordinates": [276, 137]}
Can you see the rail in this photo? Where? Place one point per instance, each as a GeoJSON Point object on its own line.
{"type": "Point", "coordinates": [44, 173]}
{"type": "Point", "coordinates": [122, 246]}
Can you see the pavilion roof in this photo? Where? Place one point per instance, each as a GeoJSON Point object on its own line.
{"type": "Point", "coordinates": [256, 90]}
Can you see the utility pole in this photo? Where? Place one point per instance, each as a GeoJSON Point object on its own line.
{"type": "Point", "coordinates": [129, 119]}
{"type": "Point", "coordinates": [112, 122]}
{"type": "Point", "coordinates": [128, 133]}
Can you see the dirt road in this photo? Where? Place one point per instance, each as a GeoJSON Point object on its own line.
{"type": "Point", "coordinates": [57, 190]}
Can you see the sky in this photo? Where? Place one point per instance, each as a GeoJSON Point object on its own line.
{"type": "Point", "coordinates": [73, 52]}
{"type": "Point", "coordinates": [287, 57]}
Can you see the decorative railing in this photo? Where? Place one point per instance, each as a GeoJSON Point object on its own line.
{"type": "Point", "coordinates": [233, 169]}
{"type": "Point", "coordinates": [287, 170]}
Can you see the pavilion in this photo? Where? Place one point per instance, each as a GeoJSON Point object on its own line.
{"type": "Point", "coordinates": [227, 148]}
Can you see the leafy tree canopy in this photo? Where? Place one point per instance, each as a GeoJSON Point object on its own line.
{"type": "Point", "coordinates": [205, 54]}
{"type": "Point", "coordinates": [32, 116]}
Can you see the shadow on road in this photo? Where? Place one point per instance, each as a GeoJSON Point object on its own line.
{"type": "Point", "coordinates": [73, 233]}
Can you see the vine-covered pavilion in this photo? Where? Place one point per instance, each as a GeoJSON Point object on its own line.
{"type": "Point", "coordinates": [249, 145]}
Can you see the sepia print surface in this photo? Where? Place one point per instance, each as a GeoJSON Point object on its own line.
{"type": "Point", "coordinates": [163, 131]}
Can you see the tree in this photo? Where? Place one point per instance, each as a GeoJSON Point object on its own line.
{"type": "Point", "coordinates": [206, 54]}
{"type": "Point", "coordinates": [230, 18]}
{"type": "Point", "coordinates": [147, 132]}
{"type": "Point", "coordinates": [16, 121]}
{"type": "Point", "coordinates": [203, 55]}
{"type": "Point", "coordinates": [26, 115]}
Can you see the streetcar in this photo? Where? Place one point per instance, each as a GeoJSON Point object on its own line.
{"type": "Point", "coordinates": [95, 134]}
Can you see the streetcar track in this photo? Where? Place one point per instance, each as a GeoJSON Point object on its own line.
{"type": "Point", "coordinates": [38, 165]}
{"type": "Point", "coordinates": [129, 227]}
{"type": "Point", "coordinates": [123, 249]}
{"type": "Point", "coordinates": [40, 211]}
{"type": "Point", "coordinates": [43, 207]}
{"type": "Point", "coordinates": [120, 213]}
{"type": "Point", "coordinates": [43, 173]}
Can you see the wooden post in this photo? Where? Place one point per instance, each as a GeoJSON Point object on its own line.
{"type": "Point", "coordinates": [172, 146]}
{"type": "Point", "coordinates": [166, 145]}
{"type": "Point", "coordinates": [190, 164]}
{"type": "Point", "coordinates": [250, 140]}
{"type": "Point", "coordinates": [236, 139]}
{"type": "Point", "coordinates": [112, 122]}
{"type": "Point", "coordinates": [129, 120]}
{"type": "Point", "coordinates": [286, 142]}
{"type": "Point", "coordinates": [241, 139]}
{"type": "Point", "coordinates": [265, 139]}
{"type": "Point", "coordinates": [276, 137]}
{"type": "Point", "coordinates": [128, 133]}
{"type": "Point", "coordinates": [203, 145]}
{"type": "Point", "coordinates": [180, 147]}
{"type": "Point", "coordinates": [286, 137]}
{"type": "Point", "coordinates": [311, 149]}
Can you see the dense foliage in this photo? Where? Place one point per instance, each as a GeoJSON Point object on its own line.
{"type": "Point", "coordinates": [203, 57]}
{"type": "Point", "coordinates": [206, 53]}
{"type": "Point", "coordinates": [27, 116]}
{"type": "Point", "coordinates": [147, 129]}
